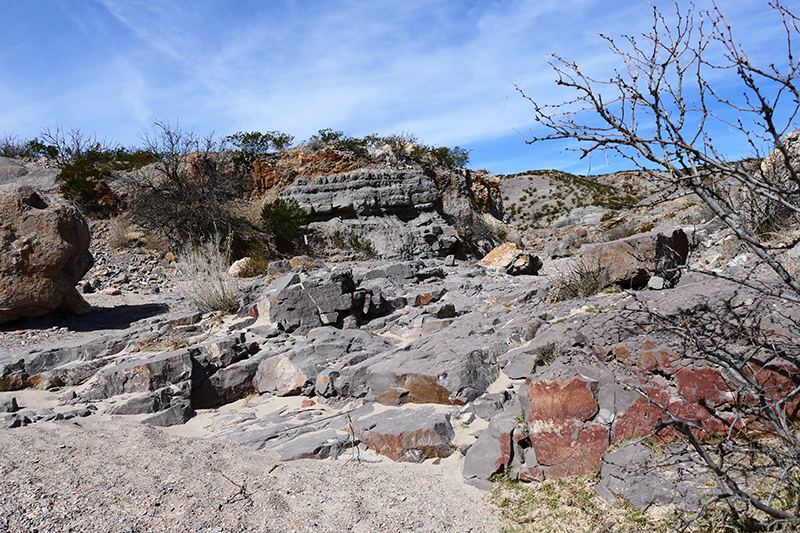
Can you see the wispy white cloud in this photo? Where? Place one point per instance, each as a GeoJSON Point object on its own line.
{"type": "Point", "coordinates": [441, 69]}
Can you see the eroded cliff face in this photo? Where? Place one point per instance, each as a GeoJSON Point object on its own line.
{"type": "Point", "coordinates": [387, 207]}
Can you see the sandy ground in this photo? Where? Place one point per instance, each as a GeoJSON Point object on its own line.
{"type": "Point", "coordinates": [113, 474]}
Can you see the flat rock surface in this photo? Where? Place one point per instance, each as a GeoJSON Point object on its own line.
{"type": "Point", "coordinates": [109, 475]}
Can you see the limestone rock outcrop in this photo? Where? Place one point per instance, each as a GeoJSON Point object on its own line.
{"type": "Point", "coordinates": [45, 252]}
{"type": "Point", "coordinates": [400, 214]}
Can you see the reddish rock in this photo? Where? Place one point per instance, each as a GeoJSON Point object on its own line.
{"type": "Point", "coordinates": [701, 385]}
{"type": "Point", "coordinates": [666, 361]}
{"type": "Point", "coordinates": [279, 376]}
{"type": "Point", "coordinates": [640, 419]}
{"type": "Point", "coordinates": [529, 475]}
{"type": "Point", "coordinates": [570, 450]}
{"type": "Point", "coordinates": [778, 381]}
{"type": "Point", "coordinates": [558, 401]}
{"type": "Point", "coordinates": [647, 362]}
{"type": "Point", "coordinates": [308, 402]}
{"type": "Point", "coordinates": [698, 415]}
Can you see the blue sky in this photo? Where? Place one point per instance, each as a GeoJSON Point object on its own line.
{"type": "Point", "coordinates": [444, 70]}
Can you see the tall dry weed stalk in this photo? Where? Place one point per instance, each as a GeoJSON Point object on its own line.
{"type": "Point", "coordinates": [204, 279]}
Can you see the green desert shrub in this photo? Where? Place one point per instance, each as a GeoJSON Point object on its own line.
{"type": "Point", "coordinates": [252, 145]}
{"type": "Point", "coordinates": [285, 220]}
{"type": "Point", "coordinates": [189, 192]}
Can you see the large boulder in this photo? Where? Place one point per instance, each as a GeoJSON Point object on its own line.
{"type": "Point", "coordinates": [513, 259]}
{"type": "Point", "coordinates": [45, 252]}
{"type": "Point", "coordinates": [630, 262]}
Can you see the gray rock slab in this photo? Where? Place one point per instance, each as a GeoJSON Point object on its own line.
{"type": "Point", "coordinates": [8, 405]}
{"type": "Point", "coordinates": [491, 453]}
{"type": "Point", "coordinates": [178, 413]}
{"type": "Point", "coordinates": [329, 443]}
{"type": "Point", "coordinates": [397, 431]}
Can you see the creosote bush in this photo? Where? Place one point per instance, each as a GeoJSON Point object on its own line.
{"type": "Point", "coordinates": [12, 146]}
{"type": "Point", "coordinates": [203, 276]}
{"type": "Point", "coordinates": [254, 144]}
{"type": "Point", "coordinates": [404, 145]}
{"type": "Point", "coordinates": [285, 219]}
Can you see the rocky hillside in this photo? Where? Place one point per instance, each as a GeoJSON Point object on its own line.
{"type": "Point", "coordinates": [425, 354]}
{"type": "Point", "coordinates": [382, 205]}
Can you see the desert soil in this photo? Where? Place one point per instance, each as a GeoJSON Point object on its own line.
{"type": "Point", "coordinates": [112, 475]}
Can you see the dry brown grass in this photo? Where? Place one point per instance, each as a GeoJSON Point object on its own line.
{"type": "Point", "coordinates": [203, 277]}
{"type": "Point", "coordinates": [580, 280]}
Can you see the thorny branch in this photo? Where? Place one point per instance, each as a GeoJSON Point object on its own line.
{"type": "Point", "coordinates": [660, 109]}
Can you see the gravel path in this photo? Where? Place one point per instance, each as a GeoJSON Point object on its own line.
{"type": "Point", "coordinates": [114, 476]}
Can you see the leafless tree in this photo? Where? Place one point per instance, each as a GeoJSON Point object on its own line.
{"type": "Point", "coordinates": [186, 194]}
{"type": "Point", "coordinates": [73, 144]}
{"type": "Point", "coordinates": [660, 110]}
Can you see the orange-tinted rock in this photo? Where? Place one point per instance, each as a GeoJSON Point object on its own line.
{"type": "Point", "coordinates": [424, 389]}
{"type": "Point", "coordinates": [570, 450]}
{"type": "Point", "coordinates": [558, 401]}
{"type": "Point", "coordinates": [394, 396]}
{"type": "Point", "coordinates": [279, 376]}
{"type": "Point", "coordinates": [622, 352]}
{"type": "Point", "coordinates": [647, 362]}
{"type": "Point", "coordinates": [423, 299]}
{"type": "Point", "coordinates": [512, 258]}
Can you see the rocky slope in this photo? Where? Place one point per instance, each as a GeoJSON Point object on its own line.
{"type": "Point", "coordinates": [419, 360]}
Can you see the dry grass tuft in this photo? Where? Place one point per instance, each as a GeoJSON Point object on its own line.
{"type": "Point", "coordinates": [204, 279]}
{"type": "Point", "coordinates": [581, 280]}
{"type": "Point", "coordinates": [118, 230]}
